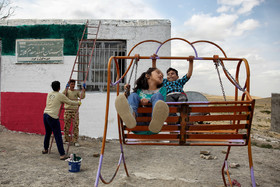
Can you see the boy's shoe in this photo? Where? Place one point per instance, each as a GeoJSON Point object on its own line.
{"type": "Point", "coordinates": [63, 157]}
{"type": "Point", "coordinates": [45, 151]}
{"type": "Point", "coordinates": [123, 110]}
{"type": "Point", "coordinates": [160, 113]}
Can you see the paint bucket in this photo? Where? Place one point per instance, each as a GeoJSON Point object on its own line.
{"type": "Point", "coordinates": [75, 166]}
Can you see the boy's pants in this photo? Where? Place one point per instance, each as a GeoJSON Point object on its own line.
{"type": "Point", "coordinates": [53, 125]}
{"type": "Point", "coordinates": [68, 117]}
{"type": "Point", "coordinates": [177, 97]}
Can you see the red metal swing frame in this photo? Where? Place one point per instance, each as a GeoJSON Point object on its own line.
{"type": "Point", "coordinates": [230, 121]}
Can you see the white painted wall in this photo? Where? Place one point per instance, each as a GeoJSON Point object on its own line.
{"type": "Point", "coordinates": [38, 77]}
{"type": "Point", "coordinates": [33, 77]}
{"type": "Point", "coordinates": [92, 115]}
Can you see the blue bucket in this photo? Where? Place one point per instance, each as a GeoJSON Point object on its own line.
{"type": "Point", "coordinates": [74, 166]}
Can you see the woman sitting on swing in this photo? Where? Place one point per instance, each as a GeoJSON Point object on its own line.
{"type": "Point", "coordinates": [148, 89]}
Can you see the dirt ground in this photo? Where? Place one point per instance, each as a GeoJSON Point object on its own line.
{"type": "Point", "coordinates": [22, 163]}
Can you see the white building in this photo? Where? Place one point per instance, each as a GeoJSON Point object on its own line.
{"type": "Point", "coordinates": [24, 85]}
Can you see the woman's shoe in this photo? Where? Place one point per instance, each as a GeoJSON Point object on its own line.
{"type": "Point", "coordinates": [123, 109]}
{"type": "Point", "coordinates": [160, 113]}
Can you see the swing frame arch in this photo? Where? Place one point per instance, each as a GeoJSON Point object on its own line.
{"type": "Point", "coordinates": [241, 109]}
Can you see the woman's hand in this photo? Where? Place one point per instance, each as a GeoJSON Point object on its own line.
{"type": "Point", "coordinates": [127, 90]}
{"type": "Point", "coordinates": [144, 101]}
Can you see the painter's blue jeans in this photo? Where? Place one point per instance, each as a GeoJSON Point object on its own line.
{"type": "Point", "coordinates": [134, 100]}
{"type": "Point", "coordinates": [53, 125]}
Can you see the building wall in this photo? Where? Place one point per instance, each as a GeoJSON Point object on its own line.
{"type": "Point", "coordinates": [24, 86]}
{"type": "Point", "coordinates": [275, 110]}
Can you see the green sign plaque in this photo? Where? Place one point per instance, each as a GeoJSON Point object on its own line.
{"type": "Point", "coordinates": [39, 50]}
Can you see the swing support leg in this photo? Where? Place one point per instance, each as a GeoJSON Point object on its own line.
{"type": "Point", "coordinates": [124, 164]}
{"type": "Point", "coordinates": [225, 166]}
{"type": "Point", "coordinates": [121, 160]}
{"type": "Point", "coordinates": [251, 163]}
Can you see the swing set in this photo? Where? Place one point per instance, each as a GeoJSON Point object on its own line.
{"type": "Point", "coordinates": [215, 123]}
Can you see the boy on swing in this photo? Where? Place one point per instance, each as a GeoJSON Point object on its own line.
{"type": "Point", "coordinates": [174, 85]}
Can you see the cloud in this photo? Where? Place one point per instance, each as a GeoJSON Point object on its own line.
{"type": "Point", "coordinates": [276, 42]}
{"type": "Point", "coordinates": [223, 9]}
{"type": "Point", "coordinates": [249, 24]}
{"type": "Point", "coordinates": [207, 26]}
{"type": "Point", "coordinates": [217, 27]}
{"type": "Point", "coordinates": [238, 6]}
{"type": "Point", "coordinates": [247, 6]}
{"type": "Point", "coordinates": [83, 9]}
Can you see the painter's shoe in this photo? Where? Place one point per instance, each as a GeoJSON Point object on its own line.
{"type": "Point", "coordinates": [160, 113]}
{"type": "Point", "coordinates": [76, 144]}
{"type": "Point", "coordinates": [123, 110]}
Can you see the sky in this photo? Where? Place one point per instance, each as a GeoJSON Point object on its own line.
{"type": "Point", "coordinates": [243, 28]}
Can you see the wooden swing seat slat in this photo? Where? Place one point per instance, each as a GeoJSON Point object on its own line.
{"type": "Point", "coordinates": [221, 109]}
{"type": "Point", "coordinates": [202, 127]}
{"type": "Point", "coordinates": [189, 136]}
{"type": "Point", "coordinates": [164, 128]}
{"type": "Point", "coordinates": [148, 109]}
{"type": "Point", "coordinates": [218, 118]}
{"type": "Point", "coordinates": [196, 128]}
{"type": "Point", "coordinates": [172, 119]}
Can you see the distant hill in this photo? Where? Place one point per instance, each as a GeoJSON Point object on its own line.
{"type": "Point", "coordinates": [264, 101]}
{"type": "Point", "coordinates": [229, 98]}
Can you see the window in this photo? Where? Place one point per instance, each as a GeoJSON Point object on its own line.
{"type": "Point", "coordinates": [97, 74]}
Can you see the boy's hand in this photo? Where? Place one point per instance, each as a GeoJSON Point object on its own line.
{"type": "Point", "coordinates": [67, 85]}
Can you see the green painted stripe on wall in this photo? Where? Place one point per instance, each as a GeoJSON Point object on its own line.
{"type": "Point", "coordinates": [70, 33]}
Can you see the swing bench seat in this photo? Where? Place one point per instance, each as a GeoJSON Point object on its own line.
{"type": "Point", "coordinates": [214, 124]}
{"type": "Point", "coordinates": [226, 123]}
